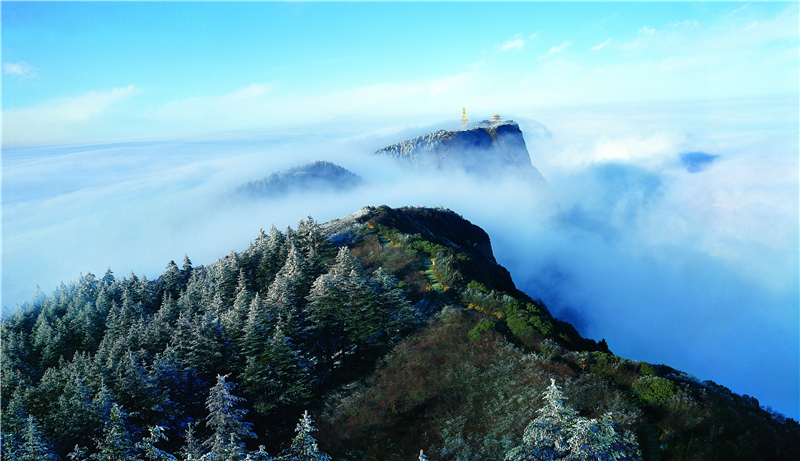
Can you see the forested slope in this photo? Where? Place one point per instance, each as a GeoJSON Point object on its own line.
{"type": "Point", "coordinates": [342, 320]}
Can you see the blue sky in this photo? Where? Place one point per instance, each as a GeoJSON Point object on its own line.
{"type": "Point", "coordinates": [129, 71]}
{"type": "Point", "coordinates": [124, 123]}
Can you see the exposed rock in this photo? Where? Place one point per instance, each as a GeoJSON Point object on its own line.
{"type": "Point", "coordinates": [488, 147]}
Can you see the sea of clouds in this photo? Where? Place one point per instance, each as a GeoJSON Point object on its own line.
{"type": "Point", "coordinates": [675, 237]}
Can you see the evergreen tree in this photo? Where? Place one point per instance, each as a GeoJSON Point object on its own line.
{"type": "Point", "coordinates": [233, 320]}
{"type": "Point", "coordinates": [158, 330]}
{"type": "Point", "coordinates": [116, 443]}
{"type": "Point", "coordinates": [34, 448]}
{"type": "Point", "coordinates": [304, 446]}
{"type": "Point", "coordinates": [273, 256]}
{"type": "Point", "coordinates": [147, 446]}
{"type": "Point", "coordinates": [171, 282]}
{"type": "Point", "coordinates": [193, 298]}
{"type": "Point", "coordinates": [345, 262]}
{"type": "Point", "coordinates": [226, 421]}
{"type": "Point", "coordinates": [276, 376]}
{"type": "Point", "coordinates": [559, 433]}
{"type": "Point", "coordinates": [200, 344]}
{"type": "Point", "coordinates": [395, 310]}
{"type": "Point", "coordinates": [257, 327]}
{"type": "Point", "coordinates": [327, 301]}
{"type": "Point", "coordinates": [186, 269]}
{"type": "Point", "coordinates": [191, 449]}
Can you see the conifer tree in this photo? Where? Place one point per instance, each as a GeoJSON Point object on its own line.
{"type": "Point", "coordinates": [345, 262]}
{"type": "Point", "coordinates": [273, 256]}
{"type": "Point", "coordinates": [34, 448]}
{"type": "Point", "coordinates": [324, 312]}
{"type": "Point", "coordinates": [147, 446]}
{"type": "Point", "coordinates": [304, 446]}
{"type": "Point", "coordinates": [186, 269]}
{"type": "Point", "coordinates": [226, 421]}
{"type": "Point", "coordinates": [171, 282]}
{"type": "Point", "coordinates": [191, 449]}
{"type": "Point", "coordinates": [276, 376]}
{"type": "Point", "coordinates": [116, 443]}
{"type": "Point", "coordinates": [559, 433]}
{"type": "Point", "coordinates": [233, 320]}
{"type": "Point", "coordinates": [193, 297]}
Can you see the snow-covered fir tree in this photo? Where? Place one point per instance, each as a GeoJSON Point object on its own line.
{"type": "Point", "coordinates": [559, 433]}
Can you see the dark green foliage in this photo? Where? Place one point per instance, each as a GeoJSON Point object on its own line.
{"type": "Point", "coordinates": [482, 327]}
{"type": "Point", "coordinates": [654, 389]}
{"type": "Point", "coordinates": [646, 369]}
{"type": "Point", "coordinates": [275, 375]}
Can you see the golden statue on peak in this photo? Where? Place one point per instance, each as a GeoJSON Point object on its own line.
{"type": "Point", "coordinates": [464, 116]}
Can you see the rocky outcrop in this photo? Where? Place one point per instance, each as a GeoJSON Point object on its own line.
{"type": "Point", "coordinates": [488, 147]}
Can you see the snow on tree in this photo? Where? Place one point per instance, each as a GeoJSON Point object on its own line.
{"type": "Point", "coordinates": [559, 433]}
{"type": "Point", "coordinates": [32, 447]}
{"type": "Point", "coordinates": [227, 422]}
{"type": "Point", "coordinates": [147, 445]}
{"type": "Point", "coordinates": [304, 446]}
{"type": "Point", "coordinates": [116, 444]}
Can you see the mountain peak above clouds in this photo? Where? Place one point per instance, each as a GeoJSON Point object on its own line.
{"type": "Point", "coordinates": [488, 146]}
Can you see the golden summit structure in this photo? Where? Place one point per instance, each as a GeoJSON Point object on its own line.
{"type": "Point", "coordinates": [464, 116]}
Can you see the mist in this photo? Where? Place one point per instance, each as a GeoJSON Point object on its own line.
{"type": "Point", "coordinates": [675, 237]}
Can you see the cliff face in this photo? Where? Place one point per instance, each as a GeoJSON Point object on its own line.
{"type": "Point", "coordinates": [488, 147]}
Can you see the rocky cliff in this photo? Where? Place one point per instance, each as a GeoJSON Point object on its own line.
{"type": "Point", "coordinates": [488, 147]}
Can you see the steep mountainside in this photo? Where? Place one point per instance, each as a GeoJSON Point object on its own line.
{"type": "Point", "coordinates": [395, 328]}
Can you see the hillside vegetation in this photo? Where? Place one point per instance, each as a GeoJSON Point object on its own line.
{"type": "Point", "coordinates": [394, 328]}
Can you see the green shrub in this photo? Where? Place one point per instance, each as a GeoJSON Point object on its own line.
{"type": "Point", "coordinates": [544, 327]}
{"type": "Point", "coordinates": [482, 327]}
{"type": "Point", "coordinates": [653, 389]}
{"type": "Point", "coordinates": [477, 286]}
{"type": "Point", "coordinates": [518, 326]}
{"type": "Point", "coordinates": [647, 370]}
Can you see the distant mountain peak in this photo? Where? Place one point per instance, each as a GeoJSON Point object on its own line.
{"type": "Point", "coordinates": [492, 144]}
{"type": "Point", "coordinates": [319, 174]}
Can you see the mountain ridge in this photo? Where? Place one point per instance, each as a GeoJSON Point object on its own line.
{"type": "Point", "coordinates": [389, 323]}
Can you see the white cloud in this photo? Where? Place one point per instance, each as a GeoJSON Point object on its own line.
{"type": "Point", "coordinates": [514, 43]}
{"type": "Point", "coordinates": [52, 121]}
{"type": "Point", "coordinates": [643, 37]}
{"type": "Point", "coordinates": [556, 49]}
{"type": "Point", "coordinates": [21, 69]}
{"type": "Point", "coordinates": [263, 105]}
{"type": "Point", "coordinates": [600, 46]}
{"type": "Point", "coordinates": [647, 31]}
{"type": "Point", "coordinates": [603, 21]}
{"type": "Point", "coordinates": [254, 90]}
{"type": "Point", "coordinates": [740, 9]}
{"type": "Point", "coordinates": [686, 23]}
{"type": "Point", "coordinates": [243, 108]}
